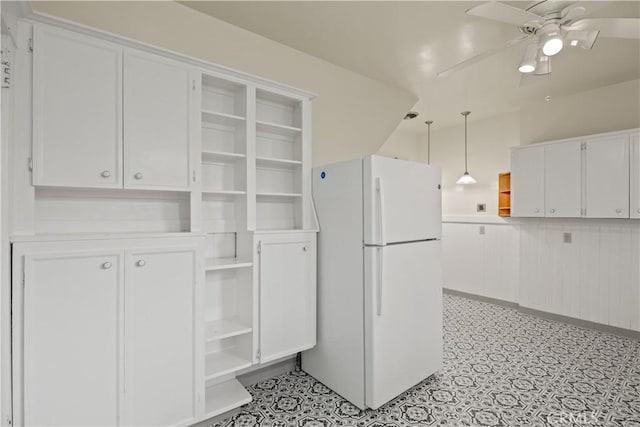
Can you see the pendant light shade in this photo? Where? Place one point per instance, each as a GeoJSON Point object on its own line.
{"type": "Point", "coordinates": [465, 178]}
{"type": "Point", "coordinates": [429, 123]}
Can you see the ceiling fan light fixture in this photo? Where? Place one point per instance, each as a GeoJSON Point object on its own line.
{"type": "Point", "coordinates": [528, 64]}
{"type": "Point", "coordinates": [551, 39]}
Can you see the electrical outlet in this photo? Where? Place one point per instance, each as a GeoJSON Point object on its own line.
{"type": "Point", "coordinates": [566, 237]}
{"type": "Point", "coordinates": [482, 231]}
{"type": "Point", "coordinates": [481, 207]}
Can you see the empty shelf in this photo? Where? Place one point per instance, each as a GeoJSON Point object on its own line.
{"type": "Point", "coordinates": [277, 128]}
{"type": "Point", "coordinates": [224, 397]}
{"type": "Point", "coordinates": [280, 163]}
{"type": "Point", "coordinates": [223, 192]}
{"type": "Point", "coordinates": [222, 363]}
{"type": "Point", "coordinates": [221, 118]}
{"type": "Point", "coordinates": [225, 328]}
{"type": "Point", "coordinates": [226, 263]}
{"type": "Point", "coordinates": [222, 156]}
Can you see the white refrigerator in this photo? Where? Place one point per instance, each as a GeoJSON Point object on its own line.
{"type": "Point", "coordinates": [379, 278]}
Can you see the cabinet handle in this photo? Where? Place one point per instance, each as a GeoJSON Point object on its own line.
{"type": "Point", "coordinates": [552, 210]}
{"type": "Point", "coordinates": [141, 263]}
{"type": "Point", "coordinates": [618, 210]}
{"type": "Point", "coordinates": [105, 174]}
{"type": "Point", "coordinates": [106, 265]}
{"type": "Point", "coordinates": [305, 248]}
{"type": "Point", "coordinates": [537, 210]}
{"type": "Point", "coordinates": [138, 175]}
{"type": "Point", "coordinates": [638, 210]}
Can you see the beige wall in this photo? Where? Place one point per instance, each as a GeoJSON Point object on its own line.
{"type": "Point", "coordinates": [352, 115]}
{"type": "Point", "coordinates": [604, 109]}
{"type": "Point", "coordinates": [401, 145]}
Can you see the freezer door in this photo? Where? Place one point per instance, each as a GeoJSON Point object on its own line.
{"type": "Point", "coordinates": [402, 201]}
{"type": "Point", "coordinates": [403, 318]}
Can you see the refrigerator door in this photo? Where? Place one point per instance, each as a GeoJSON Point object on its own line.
{"type": "Point", "coordinates": [402, 201]}
{"type": "Point", "coordinates": [403, 318]}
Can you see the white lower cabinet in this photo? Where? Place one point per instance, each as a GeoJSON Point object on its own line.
{"type": "Point", "coordinates": [287, 287]}
{"type": "Point", "coordinates": [634, 173]}
{"type": "Point", "coordinates": [108, 334]}
{"type": "Point", "coordinates": [159, 318]}
{"type": "Point", "coordinates": [72, 337]}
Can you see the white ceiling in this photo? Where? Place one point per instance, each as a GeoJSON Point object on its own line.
{"type": "Point", "coordinates": [405, 44]}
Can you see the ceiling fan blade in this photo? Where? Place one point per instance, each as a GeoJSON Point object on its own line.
{"type": "Point", "coordinates": [481, 56]}
{"type": "Point", "coordinates": [504, 13]}
{"type": "Point", "coordinates": [582, 38]}
{"type": "Point", "coordinates": [572, 13]}
{"type": "Point", "coordinates": [621, 28]}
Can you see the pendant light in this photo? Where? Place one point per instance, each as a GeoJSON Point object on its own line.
{"type": "Point", "coordinates": [429, 123]}
{"type": "Point", "coordinates": [465, 178]}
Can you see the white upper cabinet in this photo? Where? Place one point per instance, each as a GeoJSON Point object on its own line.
{"type": "Point", "coordinates": [156, 116]}
{"type": "Point", "coordinates": [563, 179]}
{"type": "Point", "coordinates": [77, 110]}
{"type": "Point", "coordinates": [607, 177]}
{"type": "Point", "coordinates": [634, 180]}
{"type": "Point", "coordinates": [527, 182]}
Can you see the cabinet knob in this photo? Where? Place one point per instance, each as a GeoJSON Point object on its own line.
{"type": "Point", "coordinates": [618, 210]}
{"type": "Point", "coordinates": [537, 210]}
{"type": "Point", "coordinates": [106, 265]}
{"type": "Point", "coordinates": [305, 248]}
{"type": "Point", "coordinates": [552, 210]}
{"type": "Point", "coordinates": [638, 210]}
{"type": "Point", "coordinates": [138, 175]}
{"type": "Point", "coordinates": [105, 174]}
{"type": "Point", "coordinates": [141, 263]}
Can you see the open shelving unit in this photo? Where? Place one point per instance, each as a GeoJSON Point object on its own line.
{"type": "Point", "coordinates": [253, 160]}
{"type": "Point", "coordinates": [504, 194]}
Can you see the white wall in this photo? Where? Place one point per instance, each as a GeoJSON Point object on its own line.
{"type": "Point", "coordinates": [352, 116]}
{"type": "Point", "coordinates": [402, 145]}
{"type": "Point", "coordinates": [604, 109]}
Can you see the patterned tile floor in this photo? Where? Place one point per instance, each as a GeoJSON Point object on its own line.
{"type": "Point", "coordinates": [501, 368]}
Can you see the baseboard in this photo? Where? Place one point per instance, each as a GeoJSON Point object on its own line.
{"type": "Point", "coordinates": [481, 298]}
{"type": "Point", "coordinates": [252, 376]}
{"type": "Point", "coordinates": [628, 333]}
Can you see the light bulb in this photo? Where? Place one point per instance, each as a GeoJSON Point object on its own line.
{"type": "Point", "coordinates": [552, 46]}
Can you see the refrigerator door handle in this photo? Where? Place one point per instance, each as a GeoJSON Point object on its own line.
{"type": "Point", "coordinates": [379, 210]}
{"type": "Point", "coordinates": [379, 290]}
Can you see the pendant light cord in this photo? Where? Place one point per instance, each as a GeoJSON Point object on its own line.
{"type": "Point", "coordinates": [465, 144]}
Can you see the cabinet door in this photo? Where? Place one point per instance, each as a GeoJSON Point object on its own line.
{"type": "Point", "coordinates": [156, 117]}
{"type": "Point", "coordinates": [159, 323]}
{"type": "Point", "coordinates": [287, 296]}
{"type": "Point", "coordinates": [563, 183]}
{"type": "Point", "coordinates": [72, 369]}
{"type": "Point", "coordinates": [607, 177]}
{"type": "Point", "coordinates": [77, 110]}
{"type": "Point", "coordinates": [527, 182]}
{"type": "Point", "coordinates": [634, 181]}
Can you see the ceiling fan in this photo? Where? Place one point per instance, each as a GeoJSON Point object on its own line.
{"type": "Point", "coordinates": [549, 26]}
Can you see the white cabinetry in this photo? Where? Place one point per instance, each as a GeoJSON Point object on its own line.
{"type": "Point", "coordinates": [109, 332]}
{"type": "Point", "coordinates": [287, 282]}
{"type": "Point", "coordinates": [595, 176]}
{"type": "Point", "coordinates": [77, 110]}
{"type": "Point", "coordinates": [160, 343]}
{"type": "Point", "coordinates": [562, 184]}
{"type": "Point", "coordinates": [634, 176]}
{"type": "Point", "coordinates": [607, 177]}
{"type": "Point", "coordinates": [527, 182]}
{"type": "Point", "coordinates": [87, 94]}
{"type": "Point", "coordinates": [71, 364]}
{"type": "Point", "coordinates": [156, 118]}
